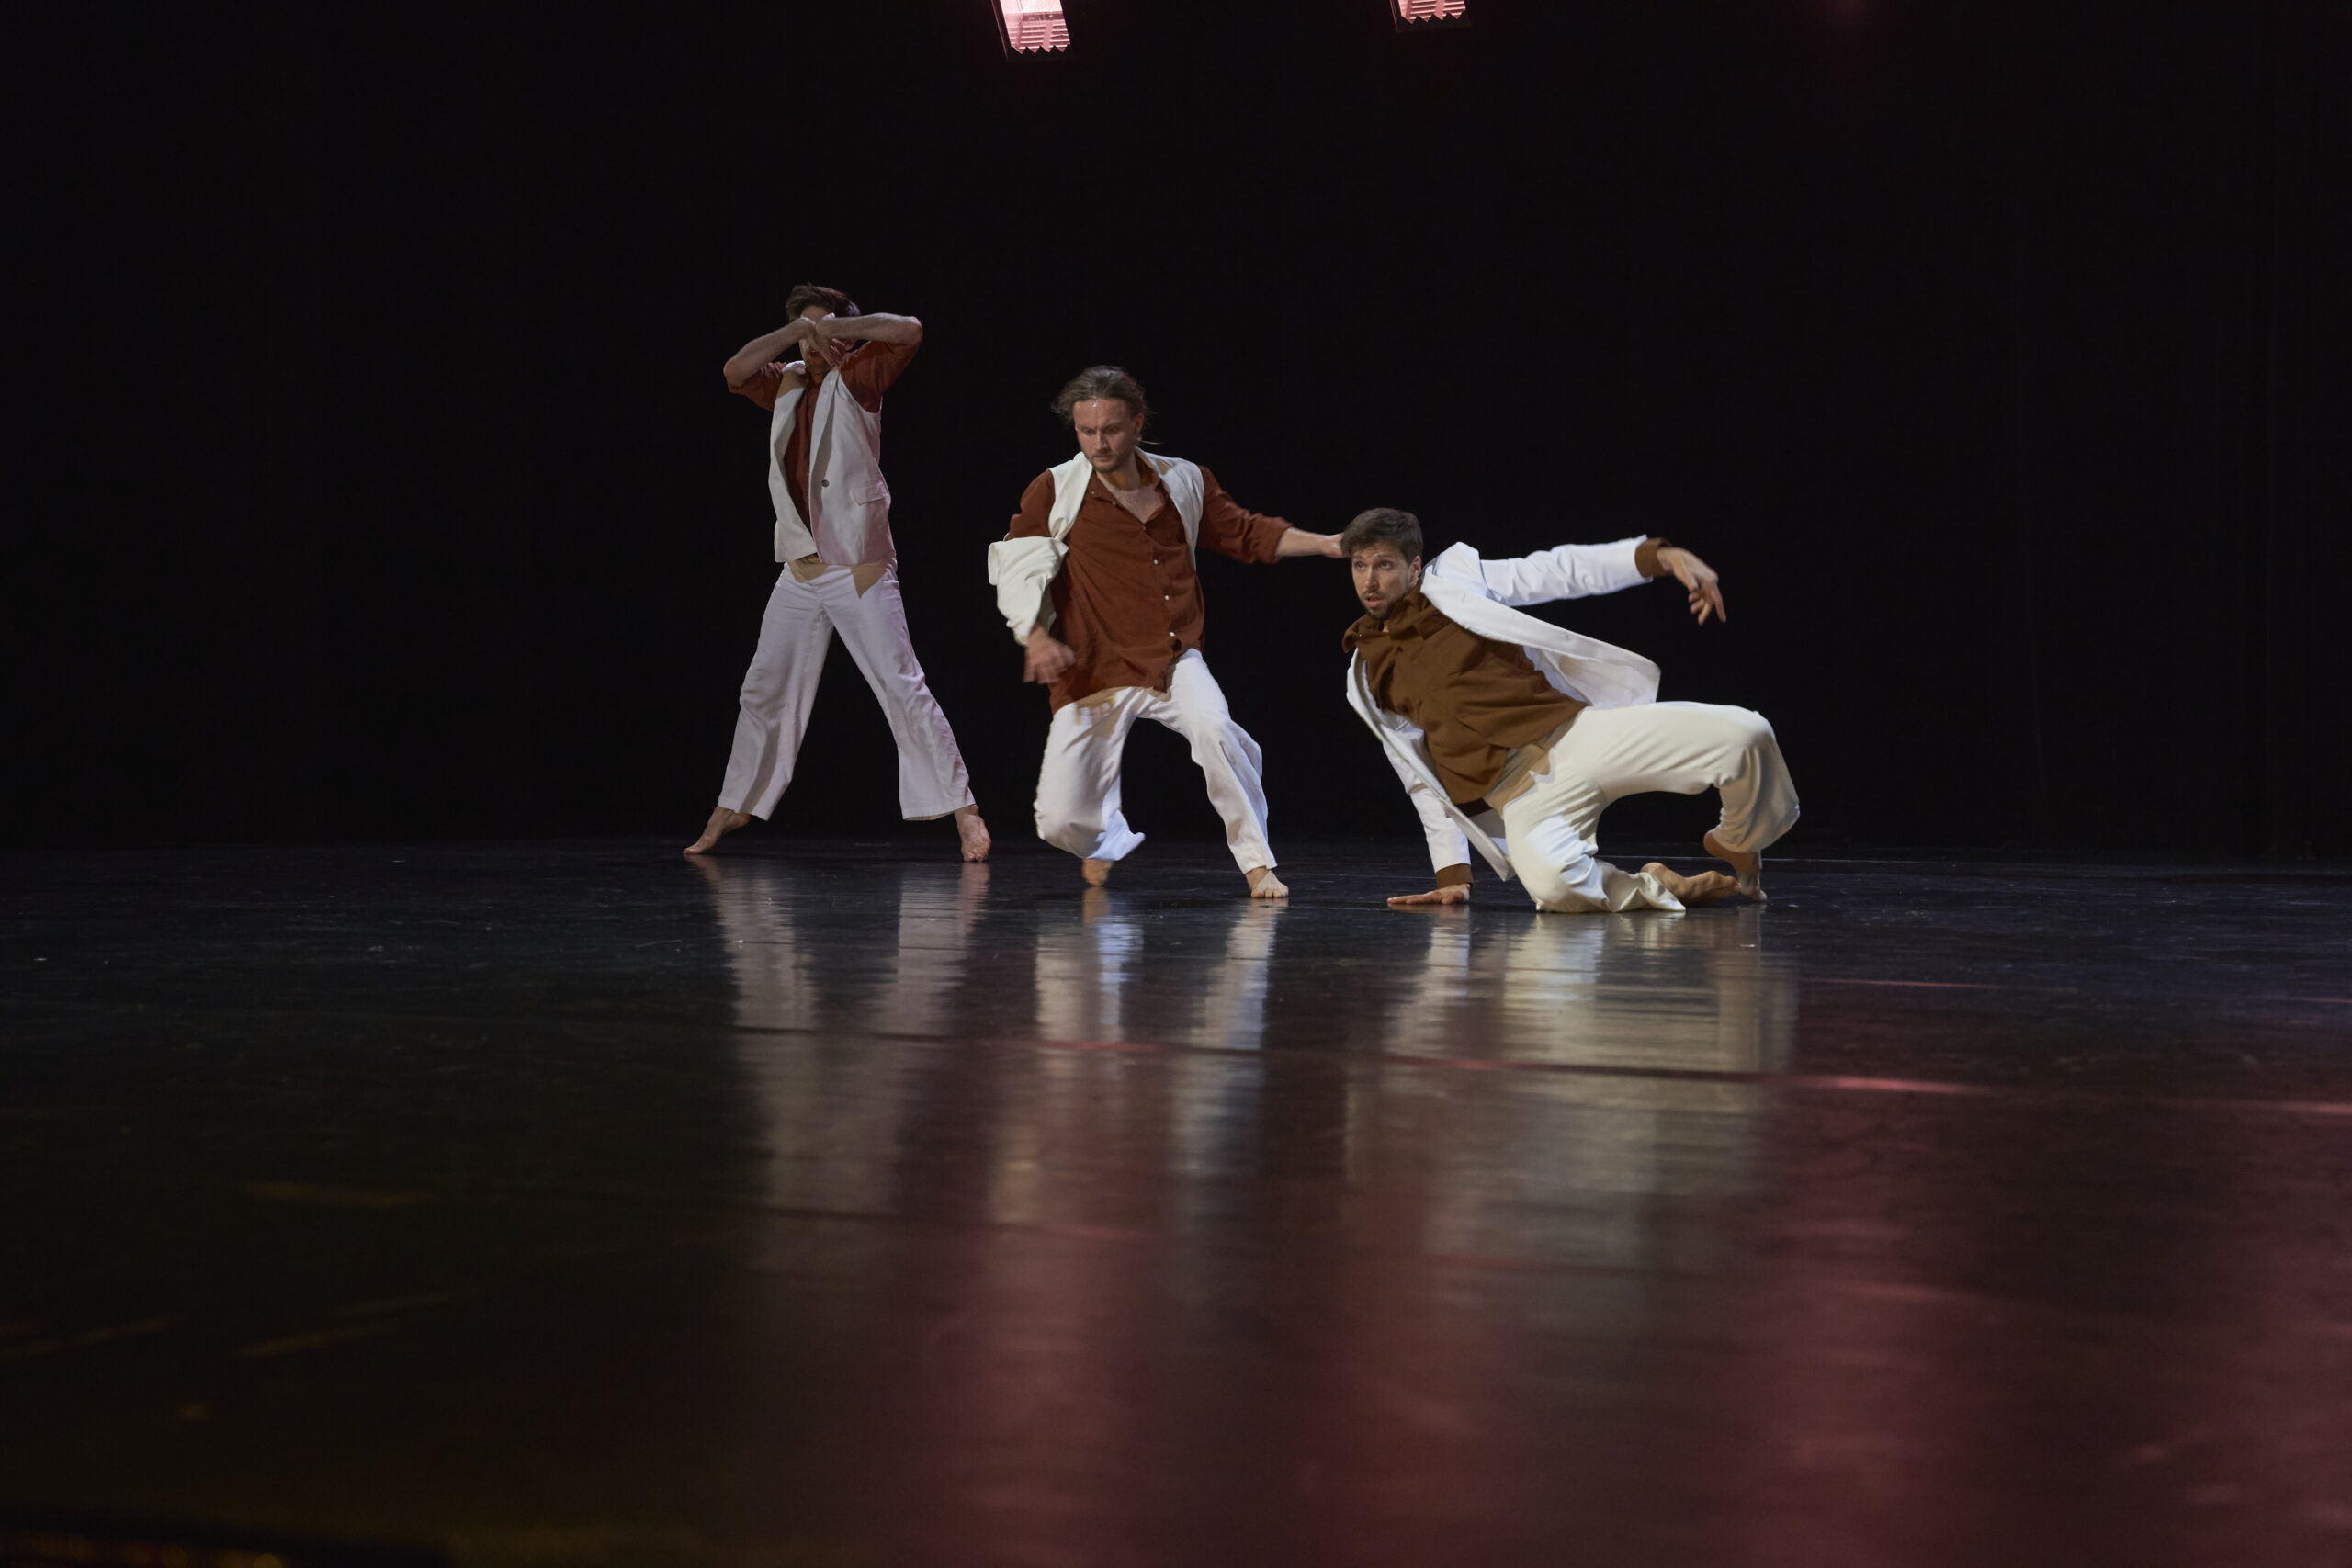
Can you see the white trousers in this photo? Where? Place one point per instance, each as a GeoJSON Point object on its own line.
{"type": "Point", "coordinates": [1077, 789]}
{"type": "Point", "coordinates": [781, 685]}
{"type": "Point", "coordinates": [1608, 753]}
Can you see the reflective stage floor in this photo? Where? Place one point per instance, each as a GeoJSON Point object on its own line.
{"type": "Point", "coordinates": [575, 1204]}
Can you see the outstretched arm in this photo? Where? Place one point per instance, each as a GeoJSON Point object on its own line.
{"type": "Point", "coordinates": [1572, 571]}
{"type": "Point", "coordinates": [1578, 571]}
{"type": "Point", "coordinates": [1231, 529]}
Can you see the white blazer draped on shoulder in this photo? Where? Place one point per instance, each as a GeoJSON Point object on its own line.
{"type": "Point", "coordinates": [1478, 596]}
{"type": "Point", "coordinates": [1024, 569]}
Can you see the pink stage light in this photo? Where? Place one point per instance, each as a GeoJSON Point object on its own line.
{"type": "Point", "coordinates": [1033, 26]}
{"type": "Point", "coordinates": [1418, 16]}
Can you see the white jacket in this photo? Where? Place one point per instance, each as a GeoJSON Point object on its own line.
{"type": "Point", "coordinates": [1024, 569]}
{"type": "Point", "coordinates": [1477, 596]}
{"type": "Point", "coordinates": [845, 485]}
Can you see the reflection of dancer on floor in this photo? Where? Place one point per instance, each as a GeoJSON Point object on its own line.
{"type": "Point", "coordinates": [1513, 736]}
{"type": "Point", "coordinates": [1096, 581]}
{"type": "Point", "coordinates": [832, 534]}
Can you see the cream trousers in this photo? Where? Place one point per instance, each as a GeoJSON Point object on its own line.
{"type": "Point", "coordinates": [781, 685]}
{"type": "Point", "coordinates": [1608, 753]}
{"type": "Point", "coordinates": [1078, 788]}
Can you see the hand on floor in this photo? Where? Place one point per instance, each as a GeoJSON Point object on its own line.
{"type": "Point", "coordinates": [1451, 893]}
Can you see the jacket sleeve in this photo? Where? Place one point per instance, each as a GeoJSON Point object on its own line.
{"type": "Point", "coordinates": [1023, 572]}
{"type": "Point", "coordinates": [1023, 564]}
{"type": "Point", "coordinates": [1449, 849]}
{"type": "Point", "coordinates": [1570, 571]}
{"type": "Point", "coordinates": [1449, 846]}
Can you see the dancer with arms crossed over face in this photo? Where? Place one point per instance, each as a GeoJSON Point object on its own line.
{"type": "Point", "coordinates": [1096, 581]}
{"type": "Point", "coordinates": [1512, 735]}
{"type": "Point", "coordinates": [832, 534]}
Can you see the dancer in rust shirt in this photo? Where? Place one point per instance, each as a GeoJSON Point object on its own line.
{"type": "Point", "coordinates": [1096, 581]}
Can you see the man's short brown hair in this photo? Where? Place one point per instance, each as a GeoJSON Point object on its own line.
{"type": "Point", "coordinates": [1101, 381]}
{"type": "Point", "coordinates": [804, 295]}
{"type": "Point", "coordinates": [1382, 526]}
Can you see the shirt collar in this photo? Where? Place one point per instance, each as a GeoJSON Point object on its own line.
{"type": "Point", "coordinates": [1150, 479]}
{"type": "Point", "coordinates": [1409, 619]}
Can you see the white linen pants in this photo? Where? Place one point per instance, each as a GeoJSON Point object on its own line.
{"type": "Point", "coordinates": [1078, 788]}
{"type": "Point", "coordinates": [781, 685]}
{"type": "Point", "coordinates": [1608, 753]}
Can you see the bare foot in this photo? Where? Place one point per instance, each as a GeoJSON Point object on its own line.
{"type": "Point", "coordinates": [1747, 865]}
{"type": "Point", "coordinates": [1096, 872]}
{"type": "Point", "coordinates": [973, 831]}
{"type": "Point", "coordinates": [1265, 883]}
{"type": "Point", "coordinates": [722, 822]}
{"type": "Point", "coordinates": [1694, 892]}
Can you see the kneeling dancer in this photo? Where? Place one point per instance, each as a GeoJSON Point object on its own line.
{"type": "Point", "coordinates": [1096, 581]}
{"type": "Point", "coordinates": [1513, 736]}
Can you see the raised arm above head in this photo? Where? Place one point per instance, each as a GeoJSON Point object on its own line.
{"type": "Point", "coordinates": [757, 354]}
{"type": "Point", "coordinates": [875, 327]}
{"type": "Point", "coordinates": [830, 335]}
{"type": "Point", "coordinates": [828, 321]}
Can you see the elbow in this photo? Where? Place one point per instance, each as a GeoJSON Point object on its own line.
{"type": "Point", "coordinates": [914, 328]}
{"type": "Point", "coordinates": [736, 376]}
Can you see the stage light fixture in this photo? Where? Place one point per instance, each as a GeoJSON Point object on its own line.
{"type": "Point", "coordinates": [1426, 15]}
{"type": "Point", "coordinates": [1031, 27]}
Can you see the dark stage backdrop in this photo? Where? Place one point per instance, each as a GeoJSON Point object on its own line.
{"type": "Point", "coordinates": [377, 479]}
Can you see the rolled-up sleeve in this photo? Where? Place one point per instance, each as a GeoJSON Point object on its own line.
{"type": "Point", "coordinates": [1229, 530]}
{"type": "Point", "coordinates": [1036, 509]}
{"type": "Point", "coordinates": [764, 388]}
{"type": "Point", "coordinates": [870, 371]}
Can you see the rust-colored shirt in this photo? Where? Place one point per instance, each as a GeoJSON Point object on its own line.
{"type": "Point", "coordinates": [870, 370]}
{"type": "Point", "coordinates": [1474, 698]}
{"type": "Point", "coordinates": [1127, 601]}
